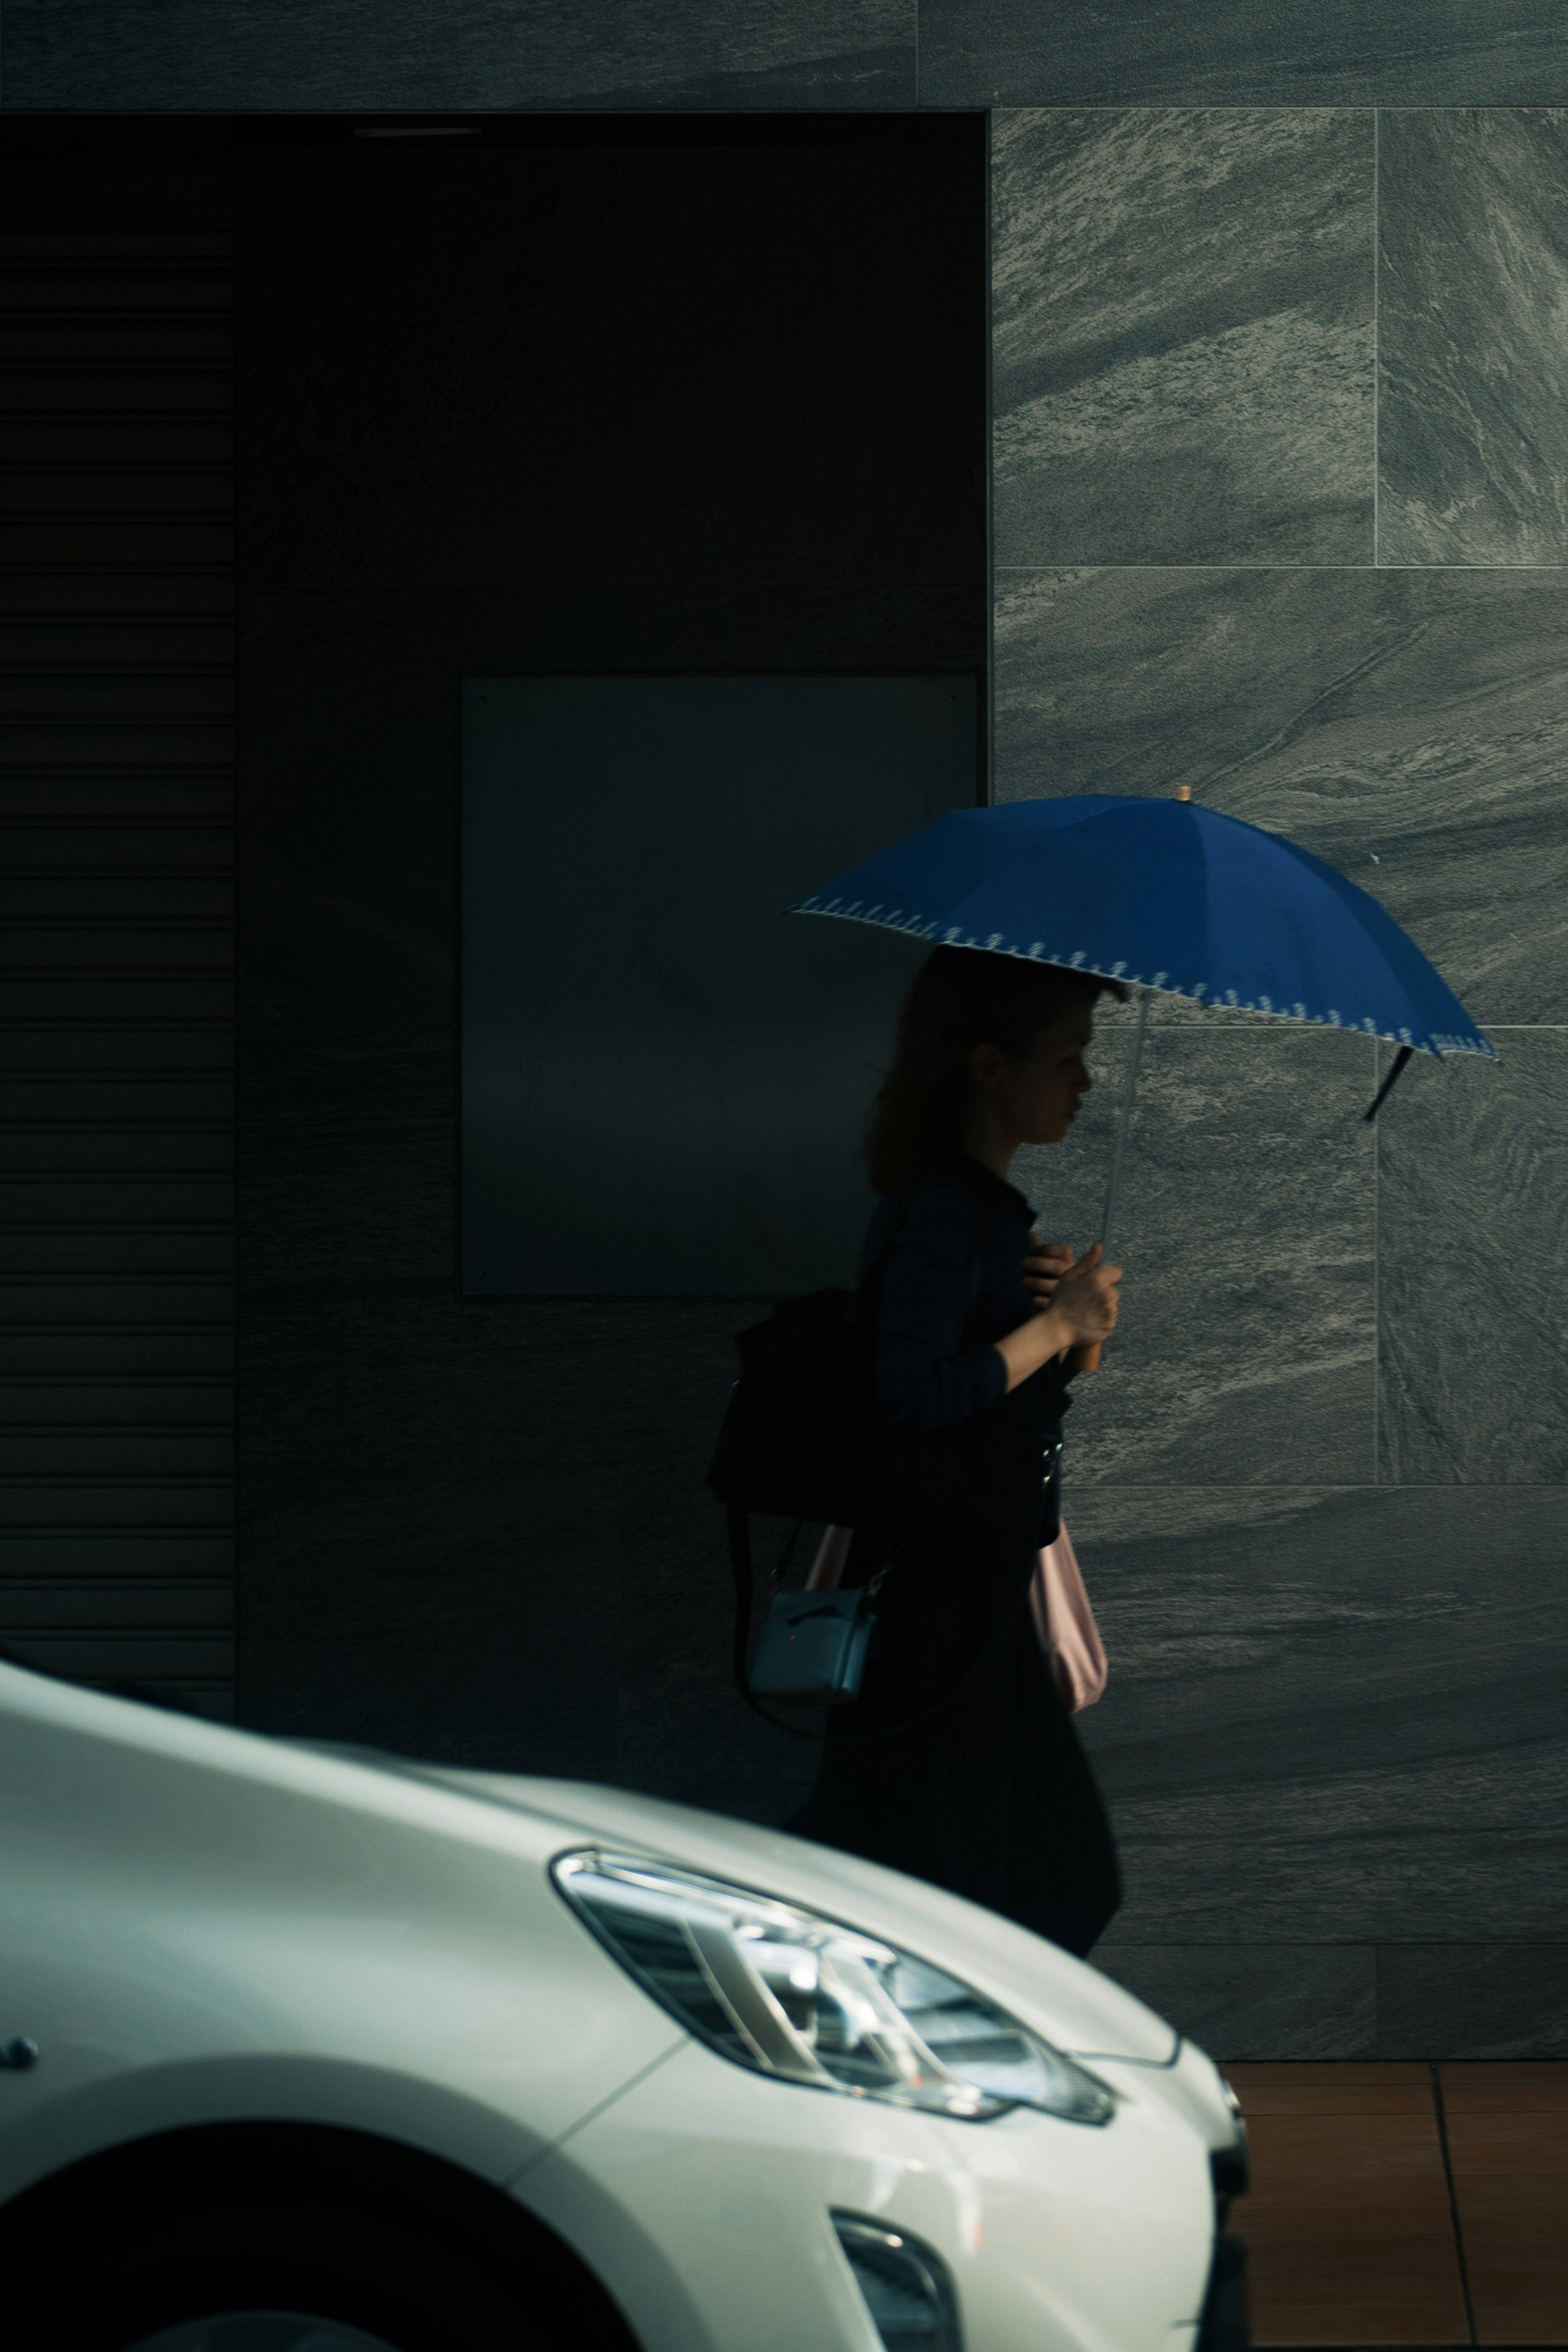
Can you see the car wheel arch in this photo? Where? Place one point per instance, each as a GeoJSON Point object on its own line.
{"type": "Point", "coordinates": [196, 2170]}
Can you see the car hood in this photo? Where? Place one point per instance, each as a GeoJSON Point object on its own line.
{"type": "Point", "coordinates": [1062, 1997]}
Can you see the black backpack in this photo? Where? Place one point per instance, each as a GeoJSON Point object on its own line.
{"type": "Point", "coordinates": [802, 1438]}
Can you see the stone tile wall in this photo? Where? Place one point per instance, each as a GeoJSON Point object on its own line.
{"type": "Point", "coordinates": [1280, 468]}
{"type": "Point", "coordinates": [461, 56]}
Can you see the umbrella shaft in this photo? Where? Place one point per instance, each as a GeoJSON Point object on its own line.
{"type": "Point", "coordinates": [1123, 1122]}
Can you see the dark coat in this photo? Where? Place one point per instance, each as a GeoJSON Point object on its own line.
{"type": "Point", "coordinates": [994, 1798]}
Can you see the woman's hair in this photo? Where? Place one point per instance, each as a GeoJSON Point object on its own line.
{"type": "Point", "coordinates": [960, 997]}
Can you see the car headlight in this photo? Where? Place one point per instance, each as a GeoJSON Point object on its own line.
{"type": "Point", "coordinates": [792, 1994]}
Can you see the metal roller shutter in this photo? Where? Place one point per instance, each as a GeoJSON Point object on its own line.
{"type": "Point", "coordinates": [116, 1137]}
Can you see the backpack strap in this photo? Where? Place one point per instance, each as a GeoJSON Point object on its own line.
{"type": "Point", "coordinates": [874, 1271]}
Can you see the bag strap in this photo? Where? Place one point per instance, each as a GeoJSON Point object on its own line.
{"type": "Point", "coordinates": [741, 1562]}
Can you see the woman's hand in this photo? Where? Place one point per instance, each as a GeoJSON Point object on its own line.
{"type": "Point", "coordinates": [1087, 1298]}
{"type": "Point", "coordinates": [1044, 1263]}
{"type": "Point", "coordinates": [1082, 1310]}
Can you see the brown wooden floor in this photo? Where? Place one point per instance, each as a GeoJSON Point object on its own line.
{"type": "Point", "coordinates": [1365, 2229]}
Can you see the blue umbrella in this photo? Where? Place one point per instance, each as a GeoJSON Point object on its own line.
{"type": "Point", "coordinates": [1168, 897]}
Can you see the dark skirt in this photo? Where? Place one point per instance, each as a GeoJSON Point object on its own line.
{"type": "Point", "coordinates": [994, 1800]}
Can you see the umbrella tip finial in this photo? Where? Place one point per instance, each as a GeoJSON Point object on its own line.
{"type": "Point", "coordinates": [1183, 791]}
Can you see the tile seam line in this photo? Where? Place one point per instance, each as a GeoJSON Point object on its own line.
{"type": "Point", "coordinates": [1377, 1478]}
{"type": "Point", "coordinates": [1243, 1025]}
{"type": "Point", "coordinates": [998, 104]}
{"type": "Point", "coordinates": [1442, 2122]}
{"type": "Point", "coordinates": [1376, 328]}
{"type": "Point", "coordinates": [988, 226]}
{"type": "Point", "coordinates": [1429, 571]}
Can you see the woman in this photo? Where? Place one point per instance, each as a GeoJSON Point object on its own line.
{"type": "Point", "coordinates": [993, 1798]}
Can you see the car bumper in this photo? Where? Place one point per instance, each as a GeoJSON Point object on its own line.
{"type": "Point", "coordinates": [1226, 2324]}
{"type": "Point", "coordinates": [703, 2200]}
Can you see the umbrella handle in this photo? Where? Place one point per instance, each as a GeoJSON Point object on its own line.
{"type": "Point", "coordinates": [1087, 1358]}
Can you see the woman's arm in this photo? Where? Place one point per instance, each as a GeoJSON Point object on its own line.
{"type": "Point", "coordinates": [1082, 1310]}
{"type": "Point", "coordinates": [927, 1381]}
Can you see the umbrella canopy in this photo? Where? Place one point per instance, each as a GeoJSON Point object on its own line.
{"type": "Point", "coordinates": [1164, 895]}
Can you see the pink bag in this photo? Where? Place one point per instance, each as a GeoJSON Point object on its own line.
{"type": "Point", "coordinates": [1057, 1602]}
{"type": "Point", "coordinates": [1065, 1624]}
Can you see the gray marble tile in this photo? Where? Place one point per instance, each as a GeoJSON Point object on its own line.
{"type": "Point", "coordinates": [1306, 1887]}
{"type": "Point", "coordinates": [1473, 1268]}
{"type": "Point", "coordinates": [1243, 1351]}
{"type": "Point", "coordinates": [1240, 53]}
{"type": "Point", "coordinates": [1182, 307]}
{"type": "Point", "coordinates": [1472, 286]}
{"type": "Point", "coordinates": [1257, 2000]}
{"type": "Point", "coordinates": [1278, 1627]}
{"type": "Point", "coordinates": [1408, 726]}
{"type": "Point", "coordinates": [1472, 2000]}
{"type": "Point", "coordinates": [478, 56]}
{"type": "Point", "coordinates": [1332, 1716]}
{"type": "Point", "coordinates": [1421, 1772]}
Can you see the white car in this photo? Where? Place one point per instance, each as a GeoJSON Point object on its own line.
{"type": "Point", "coordinates": [311, 2048]}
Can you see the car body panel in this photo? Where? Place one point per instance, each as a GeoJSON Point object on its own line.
{"type": "Point", "coordinates": [701, 2197]}
{"type": "Point", "coordinates": [1072, 2003]}
{"type": "Point", "coordinates": [200, 1925]}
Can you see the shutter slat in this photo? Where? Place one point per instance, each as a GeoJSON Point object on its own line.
{"type": "Point", "coordinates": [56, 1403]}
{"type": "Point", "coordinates": [132, 439]}
{"type": "Point", "coordinates": [43, 388]}
{"type": "Point", "coordinates": [148, 1252]}
{"type": "Point", "coordinates": [117, 697]}
{"type": "Point", "coordinates": [108, 1657]}
{"type": "Point", "coordinates": [189, 1605]}
{"type": "Point", "coordinates": [66, 1562]}
{"type": "Point", "coordinates": [44, 1456]}
{"type": "Point", "coordinates": [126, 1505]}
{"type": "Point", "coordinates": [141, 1301]}
{"type": "Point", "coordinates": [100, 1349]}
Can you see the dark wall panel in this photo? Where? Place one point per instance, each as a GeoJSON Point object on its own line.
{"type": "Point", "coordinates": [664, 1075]}
{"type": "Point", "coordinates": [677, 407]}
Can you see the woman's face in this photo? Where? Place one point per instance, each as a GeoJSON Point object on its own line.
{"type": "Point", "coordinates": [1034, 1095]}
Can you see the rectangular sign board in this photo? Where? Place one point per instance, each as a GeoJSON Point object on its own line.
{"type": "Point", "coordinates": [665, 1076]}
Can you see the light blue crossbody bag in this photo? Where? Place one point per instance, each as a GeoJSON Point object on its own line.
{"type": "Point", "coordinates": [814, 1645]}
